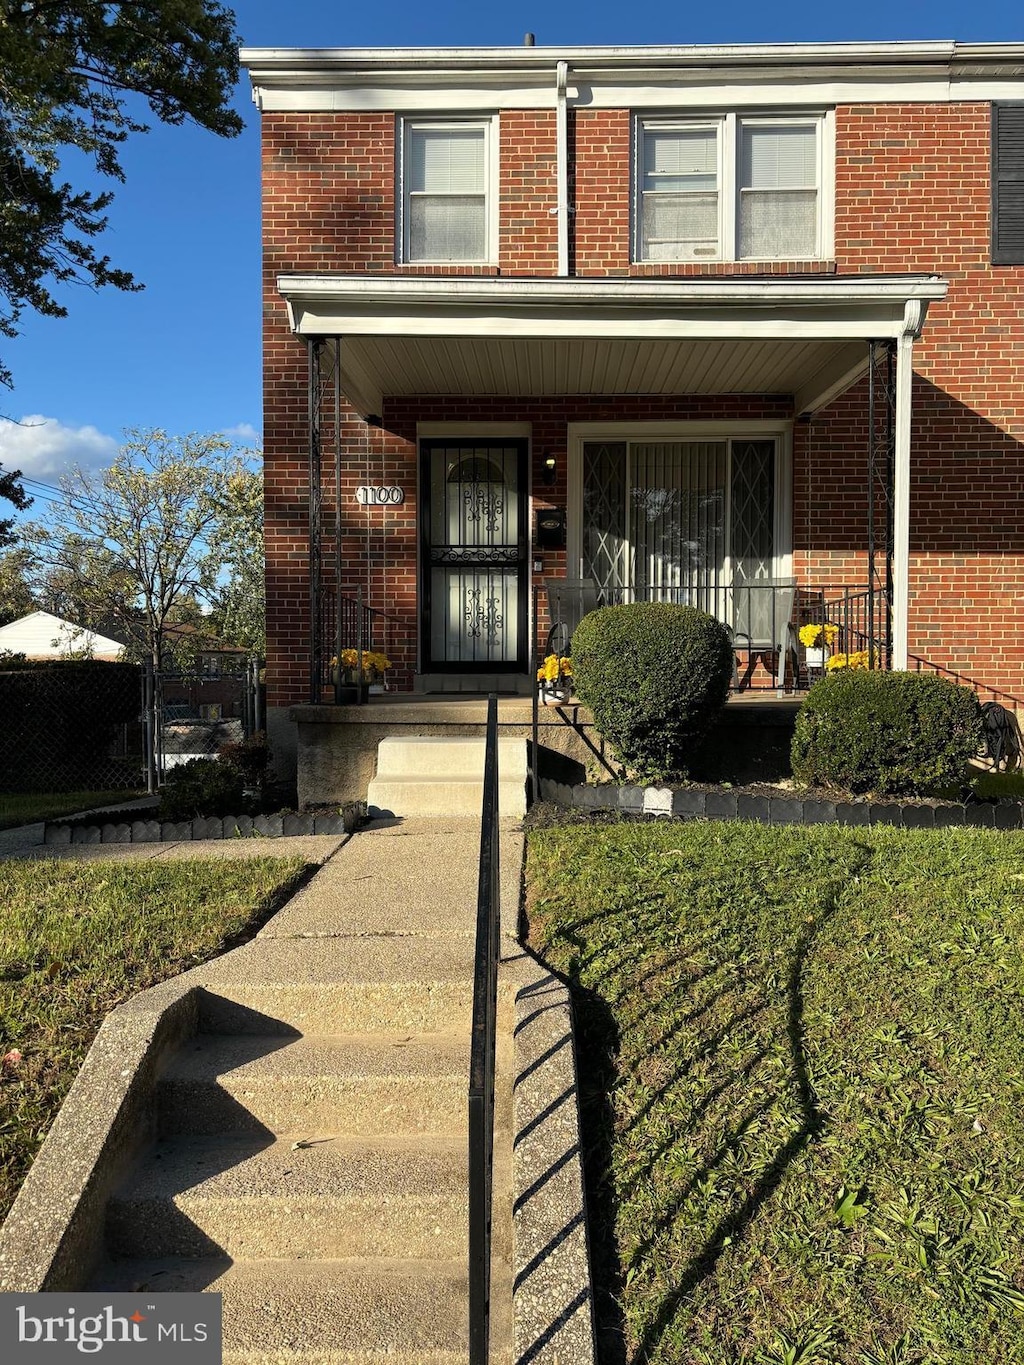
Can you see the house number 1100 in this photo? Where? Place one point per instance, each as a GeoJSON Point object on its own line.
{"type": "Point", "coordinates": [379, 495]}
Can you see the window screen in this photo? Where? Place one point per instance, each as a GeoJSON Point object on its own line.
{"type": "Point", "coordinates": [680, 193]}
{"type": "Point", "coordinates": [778, 191]}
{"type": "Point", "coordinates": [446, 202]}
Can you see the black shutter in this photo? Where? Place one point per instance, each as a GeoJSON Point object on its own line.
{"type": "Point", "coordinates": [1008, 184]}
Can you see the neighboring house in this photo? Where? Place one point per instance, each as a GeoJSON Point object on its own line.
{"type": "Point", "coordinates": [740, 315]}
{"type": "Point", "coordinates": [41, 635]}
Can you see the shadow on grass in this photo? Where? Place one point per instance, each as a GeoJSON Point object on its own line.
{"type": "Point", "coordinates": [598, 1038]}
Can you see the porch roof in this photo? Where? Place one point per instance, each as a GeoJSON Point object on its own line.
{"type": "Point", "coordinates": [799, 336]}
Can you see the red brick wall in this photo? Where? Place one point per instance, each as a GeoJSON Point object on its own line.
{"type": "Point", "coordinates": [528, 191]}
{"type": "Point", "coordinates": [912, 194]}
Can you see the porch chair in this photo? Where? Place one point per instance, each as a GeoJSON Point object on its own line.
{"type": "Point", "coordinates": [761, 626]}
{"type": "Point", "coordinates": [569, 600]}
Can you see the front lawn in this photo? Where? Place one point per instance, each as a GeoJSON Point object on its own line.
{"type": "Point", "coordinates": [24, 808]}
{"type": "Point", "coordinates": [78, 938]}
{"type": "Point", "coordinates": [802, 1068]}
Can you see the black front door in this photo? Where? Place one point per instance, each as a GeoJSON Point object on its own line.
{"type": "Point", "coordinates": [474, 544]}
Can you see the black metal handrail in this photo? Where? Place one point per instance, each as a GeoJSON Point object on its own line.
{"type": "Point", "coordinates": [348, 623]}
{"type": "Point", "coordinates": [482, 1049]}
{"type": "Point", "coordinates": [763, 617]}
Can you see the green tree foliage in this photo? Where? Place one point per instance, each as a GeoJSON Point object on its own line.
{"type": "Point", "coordinates": [132, 544]}
{"type": "Point", "coordinates": [71, 75]}
{"type": "Point", "coordinates": [16, 599]}
{"type": "Point", "coordinates": [10, 489]}
{"type": "Point", "coordinates": [239, 599]}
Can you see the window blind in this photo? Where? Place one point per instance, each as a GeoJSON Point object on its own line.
{"type": "Point", "coordinates": [778, 196]}
{"type": "Point", "coordinates": [446, 202]}
{"type": "Point", "coordinates": [680, 193]}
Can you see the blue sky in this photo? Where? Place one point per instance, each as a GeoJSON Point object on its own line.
{"type": "Point", "coordinates": [185, 353]}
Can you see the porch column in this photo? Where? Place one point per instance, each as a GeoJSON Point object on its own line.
{"type": "Point", "coordinates": [914, 317]}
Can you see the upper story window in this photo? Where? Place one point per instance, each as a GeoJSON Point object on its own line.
{"type": "Point", "coordinates": [734, 188]}
{"type": "Point", "coordinates": [447, 199]}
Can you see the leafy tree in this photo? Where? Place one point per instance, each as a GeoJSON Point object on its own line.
{"type": "Point", "coordinates": [132, 543]}
{"type": "Point", "coordinates": [70, 75]}
{"type": "Point", "coordinates": [10, 489]}
{"type": "Point", "coordinates": [239, 599]}
{"type": "Point", "coordinates": [16, 598]}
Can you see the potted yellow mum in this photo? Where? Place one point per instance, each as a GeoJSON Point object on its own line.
{"type": "Point", "coordinates": [554, 679]}
{"type": "Point", "coordinates": [818, 642]}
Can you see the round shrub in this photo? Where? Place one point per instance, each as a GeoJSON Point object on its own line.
{"type": "Point", "coordinates": [201, 787]}
{"type": "Point", "coordinates": [656, 677]}
{"type": "Point", "coordinates": [899, 733]}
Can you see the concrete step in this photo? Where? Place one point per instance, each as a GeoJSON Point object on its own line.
{"type": "Point", "coordinates": [364, 1084]}
{"type": "Point", "coordinates": [430, 775]}
{"type": "Point", "coordinates": [457, 797]}
{"type": "Point", "coordinates": [320, 1312]}
{"type": "Point", "coordinates": [340, 985]}
{"type": "Point", "coordinates": [440, 758]}
{"type": "Point", "coordinates": [330, 1197]}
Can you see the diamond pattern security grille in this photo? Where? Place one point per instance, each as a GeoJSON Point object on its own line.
{"type": "Point", "coordinates": [604, 513]}
{"type": "Point", "coordinates": [753, 508]}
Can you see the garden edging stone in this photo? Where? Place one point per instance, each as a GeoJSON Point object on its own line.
{"type": "Point", "coordinates": [691, 804]}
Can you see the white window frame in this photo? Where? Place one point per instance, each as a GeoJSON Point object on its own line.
{"type": "Point", "coordinates": [781, 432]}
{"type": "Point", "coordinates": [488, 123]}
{"type": "Point", "coordinates": [729, 127]}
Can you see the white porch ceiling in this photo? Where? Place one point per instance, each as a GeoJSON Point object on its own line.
{"type": "Point", "coordinates": [406, 336]}
{"type": "Point", "coordinates": [544, 367]}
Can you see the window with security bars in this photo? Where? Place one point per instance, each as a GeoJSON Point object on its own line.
{"type": "Point", "coordinates": [731, 188]}
{"type": "Point", "coordinates": [445, 174]}
{"type": "Point", "coordinates": [678, 521]}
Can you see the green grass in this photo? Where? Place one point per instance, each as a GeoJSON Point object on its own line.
{"type": "Point", "coordinates": [801, 1068]}
{"type": "Point", "coordinates": [78, 938]}
{"type": "Point", "coordinates": [24, 808]}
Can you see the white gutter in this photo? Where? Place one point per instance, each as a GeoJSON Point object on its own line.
{"type": "Point", "coordinates": [614, 58]}
{"type": "Point", "coordinates": [562, 165]}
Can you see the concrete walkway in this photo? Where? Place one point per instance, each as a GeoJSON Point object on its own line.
{"type": "Point", "coordinates": [310, 1161]}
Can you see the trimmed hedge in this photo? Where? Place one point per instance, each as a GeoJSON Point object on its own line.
{"type": "Point", "coordinates": [909, 733]}
{"type": "Point", "coordinates": [656, 676]}
{"type": "Point", "coordinates": [62, 721]}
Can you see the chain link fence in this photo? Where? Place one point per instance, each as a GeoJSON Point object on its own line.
{"type": "Point", "coordinates": [191, 714]}
{"type": "Point", "coordinates": [90, 726]}
{"type": "Point", "coordinates": [71, 726]}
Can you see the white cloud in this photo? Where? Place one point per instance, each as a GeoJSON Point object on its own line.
{"type": "Point", "coordinates": [44, 448]}
{"type": "Point", "coordinates": [245, 434]}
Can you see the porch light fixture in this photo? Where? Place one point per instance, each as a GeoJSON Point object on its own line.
{"type": "Point", "coordinates": [549, 468]}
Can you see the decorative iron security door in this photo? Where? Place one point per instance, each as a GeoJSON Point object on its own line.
{"type": "Point", "coordinates": [474, 556]}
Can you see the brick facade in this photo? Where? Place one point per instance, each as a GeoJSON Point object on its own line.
{"type": "Point", "coordinates": [912, 194]}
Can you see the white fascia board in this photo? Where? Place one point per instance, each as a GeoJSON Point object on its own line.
{"type": "Point", "coordinates": [613, 309]}
{"type": "Point", "coordinates": [712, 323]}
{"type": "Point", "coordinates": [747, 90]}
{"type": "Point", "coordinates": [428, 98]}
